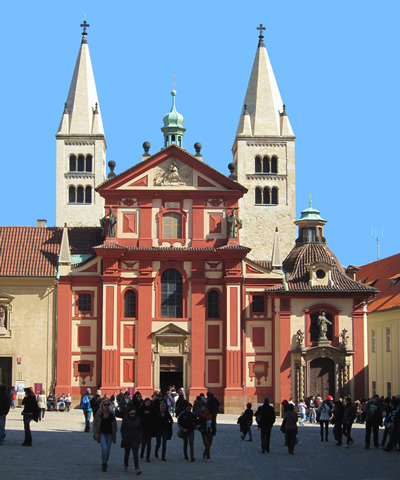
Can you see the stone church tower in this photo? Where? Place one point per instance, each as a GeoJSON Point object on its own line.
{"type": "Point", "coordinates": [81, 148]}
{"type": "Point", "coordinates": [264, 162]}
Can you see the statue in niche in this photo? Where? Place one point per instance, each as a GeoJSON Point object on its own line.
{"type": "Point", "coordinates": [323, 323]}
{"type": "Point", "coordinates": [300, 338]}
{"type": "Point", "coordinates": [2, 318]}
{"type": "Point", "coordinates": [111, 220]}
{"type": "Point", "coordinates": [234, 224]}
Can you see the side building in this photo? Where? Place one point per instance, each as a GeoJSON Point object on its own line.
{"type": "Point", "coordinates": [383, 325]}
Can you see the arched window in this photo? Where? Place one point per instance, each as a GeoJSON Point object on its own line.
{"type": "Point", "coordinates": [258, 196]}
{"type": "Point", "coordinates": [274, 199]}
{"type": "Point", "coordinates": [274, 165]}
{"type": "Point", "coordinates": [265, 165]}
{"type": "Point", "coordinates": [173, 138]}
{"type": "Point", "coordinates": [267, 196]}
{"type": "Point", "coordinates": [257, 166]}
{"type": "Point", "coordinates": [171, 294]}
{"type": "Point", "coordinates": [130, 304]}
{"type": "Point", "coordinates": [88, 195]}
{"type": "Point", "coordinates": [213, 304]}
{"type": "Point", "coordinates": [79, 195]}
{"type": "Point", "coordinates": [81, 163]}
{"type": "Point", "coordinates": [172, 225]}
{"type": "Point", "coordinates": [71, 195]}
{"type": "Point", "coordinates": [180, 141]}
{"type": "Point", "coordinates": [89, 162]}
{"type": "Point", "coordinates": [72, 163]}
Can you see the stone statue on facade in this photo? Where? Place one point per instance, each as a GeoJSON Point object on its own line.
{"type": "Point", "coordinates": [2, 318]}
{"type": "Point", "coordinates": [234, 225]}
{"type": "Point", "coordinates": [300, 338]}
{"type": "Point", "coordinates": [111, 220]}
{"type": "Point", "coordinates": [323, 323]}
{"type": "Point", "coordinates": [345, 339]}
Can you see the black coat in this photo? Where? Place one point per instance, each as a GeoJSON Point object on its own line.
{"type": "Point", "coordinates": [188, 421]}
{"type": "Point", "coordinates": [131, 432]}
{"type": "Point", "coordinates": [266, 415]}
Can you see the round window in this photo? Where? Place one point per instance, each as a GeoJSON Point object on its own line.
{"type": "Point", "coordinates": [320, 273]}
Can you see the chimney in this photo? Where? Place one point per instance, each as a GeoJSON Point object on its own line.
{"type": "Point", "coordinates": [41, 222]}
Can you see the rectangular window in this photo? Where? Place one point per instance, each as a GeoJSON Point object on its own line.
{"type": "Point", "coordinates": [373, 388]}
{"type": "Point", "coordinates": [388, 340]}
{"type": "Point", "coordinates": [257, 304]}
{"type": "Point", "coordinates": [389, 389]}
{"type": "Point", "coordinates": [172, 225]}
{"type": "Point", "coordinates": [85, 302]}
{"type": "Point", "coordinates": [84, 368]}
{"type": "Point", "coordinates": [373, 341]}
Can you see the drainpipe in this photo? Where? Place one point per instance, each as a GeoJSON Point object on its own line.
{"type": "Point", "coordinates": [242, 319]}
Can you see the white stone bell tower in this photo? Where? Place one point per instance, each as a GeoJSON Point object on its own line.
{"type": "Point", "coordinates": [264, 162]}
{"type": "Point", "coordinates": [81, 148]}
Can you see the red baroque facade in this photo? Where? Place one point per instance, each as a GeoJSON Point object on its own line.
{"type": "Point", "coordinates": [170, 297]}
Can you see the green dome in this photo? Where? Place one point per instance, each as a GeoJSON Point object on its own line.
{"type": "Point", "coordinates": [311, 214]}
{"type": "Point", "coordinates": [173, 118]}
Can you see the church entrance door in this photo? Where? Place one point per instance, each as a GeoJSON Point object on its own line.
{"type": "Point", "coordinates": [322, 377]}
{"type": "Point", "coordinates": [171, 372]}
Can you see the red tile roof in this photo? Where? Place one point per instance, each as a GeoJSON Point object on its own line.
{"type": "Point", "coordinates": [297, 273]}
{"type": "Point", "coordinates": [385, 271]}
{"type": "Point", "coordinates": [33, 251]}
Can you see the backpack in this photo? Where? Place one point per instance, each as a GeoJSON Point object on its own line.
{"type": "Point", "coordinates": [85, 403]}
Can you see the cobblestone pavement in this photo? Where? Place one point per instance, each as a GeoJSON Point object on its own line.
{"type": "Point", "coordinates": [60, 447]}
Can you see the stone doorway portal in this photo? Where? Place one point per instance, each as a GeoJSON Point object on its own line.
{"type": "Point", "coordinates": [171, 372]}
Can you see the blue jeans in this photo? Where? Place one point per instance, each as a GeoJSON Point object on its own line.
{"type": "Point", "coordinates": [105, 443]}
{"type": "Point", "coordinates": [135, 452]}
{"type": "Point", "coordinates": [27, 420]}
{"type": "Point", "coordinates": [303, 418]}
{"type": "Point", "coordinates": [2, 428]}
{"type": "Point", "coordinates": [162, 435]}
{"type": "Point", "coordinates": [87, 414]}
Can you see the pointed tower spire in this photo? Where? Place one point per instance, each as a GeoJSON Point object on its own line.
{"type": "Point", "coordinates": [82, 96]}
{"type": "Point", "coordinates": [263, 100]}
{"type": "Point", "coordinates": [64, 259]}
{"type": "Point", "coordinates": [276, 255]}
{"type": "Point", "coordinates": [80, 164]}
{"type": "Point", "coordinates": [264, 162]}
{"type": "Point", "coordinates": [173, 126]}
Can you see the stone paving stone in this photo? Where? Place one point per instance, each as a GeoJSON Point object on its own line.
{"type": "Point", "coordinates": [60, 447]}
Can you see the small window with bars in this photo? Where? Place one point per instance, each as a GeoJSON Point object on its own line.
{"type": "Point", "coordinates": [84, 302]}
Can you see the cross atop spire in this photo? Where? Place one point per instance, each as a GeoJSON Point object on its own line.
{"type": "Point", "coordinates": [261, 28]}
{"type": "Point", "coordinates": [173, 81]}
{"type": "Point", "coordinates": [85, 25]}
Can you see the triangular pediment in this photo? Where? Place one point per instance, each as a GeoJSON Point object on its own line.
{"type": "Point", "coordinates": [171, 168]}
{"type": "Point", "coordinates": [170, 330]}
{"type": "Point", "coordinates": [6, 298]}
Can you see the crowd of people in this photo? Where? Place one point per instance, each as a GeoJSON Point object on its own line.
{"type": "Point", "coordinates": [146, 418]}
{"type": "Point", "coordinates": [152, 417]}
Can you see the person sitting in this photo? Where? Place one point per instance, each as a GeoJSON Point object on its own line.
{"type": "Point", "coordinates": [51, 403]}
{"type": "Point", "coordinates": [68, 401]}
{"type": "Point", "coordinates": [61, 403]}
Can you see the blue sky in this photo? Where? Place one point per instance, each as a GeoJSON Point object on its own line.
{"type": "Point", "coordinates": [336, 64]}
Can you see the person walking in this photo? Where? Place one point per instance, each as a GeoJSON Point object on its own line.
{"type": "Point", "coordinates": [86, 408]}
{"type": "Point", "coordinates": [373, 420]}
{"type": "Point", "coordinates": [302, 411]}
{"type": "Point", "coordinates": [41, 401]}
{"type": "Point", "coordinates": [290, 421]}
{"type": "Point", "coordinates": [208, 429]}
{"type": "Point", "coordinates": [337, 421]}
{"type": "Point", "coordinates": [95, 402]}
{"type": "Point", "coordinates": [131, 433]}
{"type": "Point", "coordinates": [187, 422]}
{"type": "Point", "coordinates": [5, 404]}
{"type": "Point", "coordinates": [30, 412]}
{"type": "Point", "coordinates": [147, 418]}
{"type": "Point", "coordinates": [246, 421]}
{"type": "Point", "coordinates": [105, 431]}
{"type": "Point", "coordinates": [324, 414]}
{"type": "Point", "coordinates": [265, 416]}
{"type": "Point", "coordinates": [163, 429]}
{"type": "Point", "coordinates": [349, 416]}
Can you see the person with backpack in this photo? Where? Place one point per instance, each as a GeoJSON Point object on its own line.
{"type": "Point", "coordinates": [246, 421]}
{"type": "Point", "coordinates": [86, 408]}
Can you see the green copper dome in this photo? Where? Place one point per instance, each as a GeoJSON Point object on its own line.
{"type": "Point", "coordinates": [311, 214]}
{"type": "Point", "coordinates": [173, 125]}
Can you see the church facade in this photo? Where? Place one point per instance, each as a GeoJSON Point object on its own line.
{"type": "Point", "coordinates": [196, 279]}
